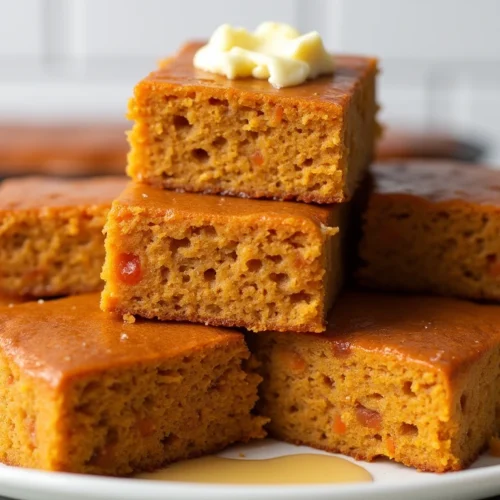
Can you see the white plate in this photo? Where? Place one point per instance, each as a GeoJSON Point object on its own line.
{"type": "Point", "coordinates": [391, 482]}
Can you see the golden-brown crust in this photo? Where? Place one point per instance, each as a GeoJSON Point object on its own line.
{"type": "Point", "coordinates": [304, 197]}
{"type": "Point", "coordinates": [332, 91]}
{"type": "Point", "coordinates": [188, 205]}
{"type": "Point", "coordinates": [440, 332]}
{"type": "Point", "coordinates": [310, 328]}
{"type": "Point", "coordinates": [437, 181]}
{"type": "Point", "coordinates": [70, 337]}
{"type": "Point", "coordinates": [405, 460]}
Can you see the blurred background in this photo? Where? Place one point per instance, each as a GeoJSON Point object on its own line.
{"type": "Point", "coordinates": [67, 68]}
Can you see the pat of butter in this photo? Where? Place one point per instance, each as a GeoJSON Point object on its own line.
{"type": "Point", "coordinates": [274, 51]}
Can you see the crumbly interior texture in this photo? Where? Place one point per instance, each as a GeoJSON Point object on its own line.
{"type": "Point", "coordinates": [367, 404]}
{"type": "Point", "coordinates": [52, 252]}
{"type": "Point", "coordinates": [219, 141]}
{"type": "Point", "coordinates": [262, 274]}
{"type": "Point", "coordinates": [447, 248]}
{"type": "Point", "coordinates": [126, 420]}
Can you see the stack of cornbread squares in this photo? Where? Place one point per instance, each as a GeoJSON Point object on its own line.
{"type": "Point", "coordinates": [238, 215]}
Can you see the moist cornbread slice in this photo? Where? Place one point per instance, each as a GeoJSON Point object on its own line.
{"type": "Point", "coordinates": [51, 240]}
{"type": "Point", "coordinates": [226, 261]}
{"type": "Point", "coordinates": [83, 392]}
{"type": "Point", "coordinates": [414, 379]}
{"type": "Point", "coordinates": [198, 131]}
{"type": "Point", "coordinates": [433, 227]}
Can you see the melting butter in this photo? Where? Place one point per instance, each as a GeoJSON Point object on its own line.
{"type": "Point", "coordinates": [290, 469]}
{"type": "Point", "coordinates": [274, 51]}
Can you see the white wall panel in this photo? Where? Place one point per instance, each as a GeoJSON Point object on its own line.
{"type": "Point", "coordinates": [158, 27]}
{"type": "Point", "coordinates": [22, 28]}
{"type": "Point", "coordinates": [426, 29]}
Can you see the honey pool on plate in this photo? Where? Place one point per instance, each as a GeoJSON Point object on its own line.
{"type": "Point", "coordinates": [290, 469]}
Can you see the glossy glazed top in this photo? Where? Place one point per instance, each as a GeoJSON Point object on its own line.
{"type": "Point", "coordinates": [61, 338]}
{"type": "Point", "coordinates": [172, 203]}
{"type": "Point", "coordinates": [26, 193]}
{"type": "Point", "coordinates": [442, 332]}
{"type": "Point", "coordinates": [333, 89]}
{"type": "Point", "coordinates": [438, 181]}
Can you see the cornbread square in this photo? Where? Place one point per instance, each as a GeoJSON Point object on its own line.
{"type": "Point", "coordinates": [414, 379]}
{"type": "Point", "coordinates": [433, 227]}
{"type": "Point", "coordinates": [83, 392]}
{"type": "Point", "coordinates": [51, 240]}
{"type": "Point", "coordinates": [223, 261]}
{"type": "Point", "coordinates": [198, 131]}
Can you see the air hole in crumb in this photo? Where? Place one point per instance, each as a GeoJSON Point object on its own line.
{"type": "Point", "coordinates": [308, 162]}
{"type": "Point", "coordinates": [254, 265]}
{"type": "Point", "coordinates": [169, 440]}
{"type": "Point", "coordinates": [407, 388]}
{"type": "Point", "coordinates": [181, 122]}
{"type": "Point", "coordinates": [408, 429]}
{"type": "Point", "coordinates": [186, 278]}
{"type": "Point", "coordinates": [217, 102]}
{"type": "Point", "coordinates": [279, 278]}
{"type": "Point", "coordinates": [323, 436]}
{"type": "Point", "coordinates": [164, 273]}
{"type": "Point", "coordinates": [275, 258]}
{"type": "Point", "coordinates": [164, 372]}
{"type": "Point", "coordinates": [176, 244]}
{"type": "Point", "coordinates": [253, 135]}
{"type": "Point", "coordinates": [200, 154]}
{"type": "Point", "coordinates": [376, 396]}
{"type": "Point", "coordinates": [218, 142]}
{"type": "Point", "coordinates": [293, 409]}
{"type": "Point", "coordinates": [209, 275]}
{"type": "Point", "coordinates": [213, 309]}
{"type": "Point", "coordinates": [295, 238]}
{"type": "Point", "coordinates": [463, 403]}
{"type": "Point", "coordinates": [232, 255]}
{"type": "Point", "coordinates": [378, 437]}
{"type": "Point", "coordinates": [300, 297]}
{"type": "Point", "coordinates": [205, 230]}
{"type": "Point", "coordinates": [328, 381]}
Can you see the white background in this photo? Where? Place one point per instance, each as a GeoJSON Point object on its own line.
{"type": "Point", "coordinates": [75, 59]}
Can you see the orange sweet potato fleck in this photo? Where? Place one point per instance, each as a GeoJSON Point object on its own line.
{"type": "Point", "coordinates": [391, 446]}
{"type": "Point", "coordinates": [257, 158]}
{"type": "Point", "coordinates": [368, 418]}
{"type": "Point", "coordinates": [278, 115]}
{"type": "Point", "coordinates": [338, 426]}
{"type": "Point", "coordinates": [292, 360]}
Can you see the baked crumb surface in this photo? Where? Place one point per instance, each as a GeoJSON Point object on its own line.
{"type": "Point", "coordinates": [224, 261]}
{"type": "Point", "coordinates": [82, 392]}
{"type": "Point", "coordinates": [51, 240]}
{"type": "Point", "coordinates": [200, 132]}
{"type": "Point", "coordinates": [392, 376]}
{"type": "Point", "coordinates": [432, 227]}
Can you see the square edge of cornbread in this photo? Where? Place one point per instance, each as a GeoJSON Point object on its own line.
{"type": "Point", "coordinates": [55, 400]}
{"type": "Point", "coordinates": [351, 162]}
{"type": "Point", "coordinates": [127, 218]}
{"type": "Point", "coordinates": [435, 418]}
